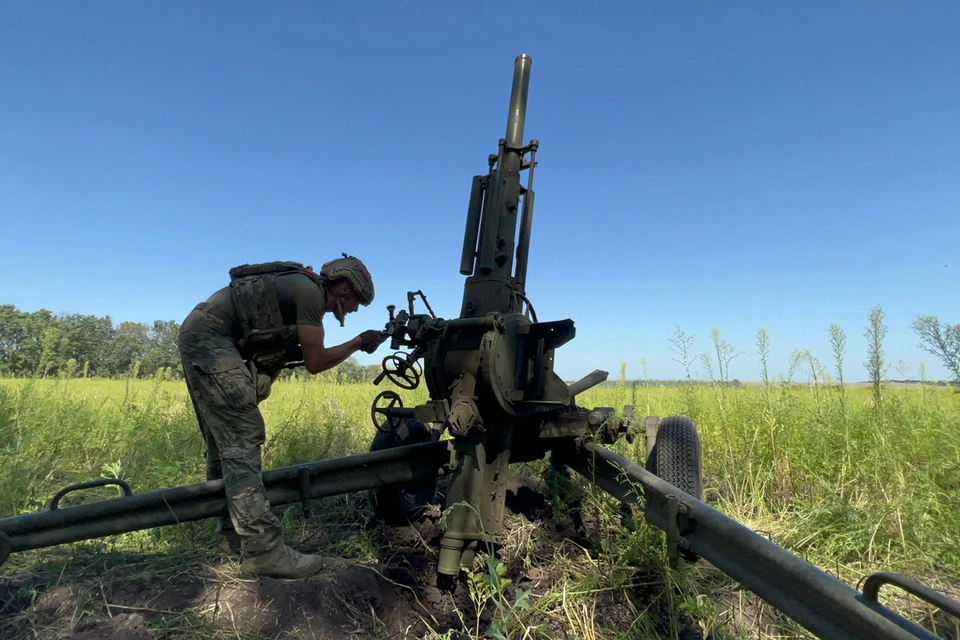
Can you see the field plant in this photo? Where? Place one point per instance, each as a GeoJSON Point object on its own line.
{"type": "Point", "coordinates": [853, 479]}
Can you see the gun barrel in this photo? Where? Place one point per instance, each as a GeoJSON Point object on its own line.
{"type": "Point", "coordinates": [518, 101]}
{"type": "Point", "coordinates": [492, 285]}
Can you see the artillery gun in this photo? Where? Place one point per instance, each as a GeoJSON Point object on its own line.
{"type": "Point", "coordinates": [493, 391]}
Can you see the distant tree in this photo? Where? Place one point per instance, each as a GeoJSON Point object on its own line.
{"type": "Point", "coordinates": [127, 348]}
{"type": "Point", "coordinates": [21, 335]}
{"type": "Point", "coordinates": [350, 371]}
{"type": "Point", "coordinates": [53, 349]}
{"type": "Point", "coordinates": [88, 339]}
{"type": "Point", "coordinates": [941, 340]}
{"type": "Point", "coordinates": [371, 371]}
{"type": "Point", "coordinates": [161, 349]}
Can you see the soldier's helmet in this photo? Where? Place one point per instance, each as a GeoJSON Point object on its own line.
{"type": "Point", "coordinates": [356, 274]}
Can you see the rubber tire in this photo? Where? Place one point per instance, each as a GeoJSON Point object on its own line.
{"type": "Point", "coordinates": [675, 457]}
{"type": "Point", "coordinates": [400, 504]}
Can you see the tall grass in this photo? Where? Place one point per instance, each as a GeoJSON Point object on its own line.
{"type": "Point", "coordinates": [851, 479]}
{"type": "Point", "coordinates": [812, 461]}
{"type": "Point", "coordinates": [60, 431]}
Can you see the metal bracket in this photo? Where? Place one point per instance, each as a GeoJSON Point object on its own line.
{"type": "Point", "coordinates": [464, 417]}
{"type": "Point", "coordinates": [305, 491]}
{"type": "Point", "coordinates": [673, 531]}
{"type": "Point", "coordinates": [411, 295]}
{"type": "Point", "coordinates": [6, 546]}
{"type": "Point", "coordinates": [651, 424]}
{"type": "Point", "coordinates": [453, 463]}
{"type": "Point", "coordinates": [679, 522]}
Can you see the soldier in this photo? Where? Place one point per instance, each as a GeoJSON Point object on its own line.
{"type": "Point", "coordinates": [233, 346]}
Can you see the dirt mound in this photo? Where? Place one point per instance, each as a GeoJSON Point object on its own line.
{"type": "Point", "coordinates": [125, 626]}
{"type": "Point", "coordinates": [346, 598]}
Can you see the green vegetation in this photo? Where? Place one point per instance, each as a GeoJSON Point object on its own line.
{"type": "Point", "coordinates": [42, 344]}
{"type": "Point", "coordinates": [854, 480]}
{"type": "Point", "coordinates": [809, 465]}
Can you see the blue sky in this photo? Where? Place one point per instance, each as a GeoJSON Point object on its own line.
{"type": "Point", "coordinates": [782, 166]}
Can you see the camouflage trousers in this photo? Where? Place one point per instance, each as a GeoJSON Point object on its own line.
{"type": "Point", "coordinates": [225, 395]}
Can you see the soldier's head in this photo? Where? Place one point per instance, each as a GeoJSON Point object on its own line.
{"type": "Point", "coordinates": [348, 285]}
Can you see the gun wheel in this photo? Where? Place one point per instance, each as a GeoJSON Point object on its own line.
{"type": "Point", "coordinates": [675, 457]}
{"type": "Point", "coordinates": [400, 504]}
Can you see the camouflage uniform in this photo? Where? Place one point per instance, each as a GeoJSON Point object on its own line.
{"type": "Point", "coordinates": [224, 396]}
{"type": "Point", "coordinates": [226, 391]}
{"type": "Point", "coordinates": [226, 388]}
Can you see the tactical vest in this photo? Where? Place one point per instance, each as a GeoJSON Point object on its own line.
{"type": "Point", "coordinates": [264, 336]}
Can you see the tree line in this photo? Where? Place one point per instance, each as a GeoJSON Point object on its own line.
{"type": "Point", "coordinates": [42, 344]}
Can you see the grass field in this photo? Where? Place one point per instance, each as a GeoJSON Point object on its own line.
{"type": "Point", "coordinates": [853, 480]}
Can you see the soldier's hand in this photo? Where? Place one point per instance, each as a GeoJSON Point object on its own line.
{"type": "Point", "coordinates": [370, 340]}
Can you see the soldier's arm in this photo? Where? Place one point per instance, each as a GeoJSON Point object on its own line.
{"type": "Point", "coordinates": [316, 357]}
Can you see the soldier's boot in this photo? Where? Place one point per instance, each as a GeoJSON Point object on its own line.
{"type": "Point", "coordinates": [282, 562]}
{"type": "Point", "coordinates": [261, 536]}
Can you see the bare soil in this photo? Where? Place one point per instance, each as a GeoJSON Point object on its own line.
{"type": "Point", "coordinates": [139, 597]}
{"type": "Point", "coordinates": [81, 594]}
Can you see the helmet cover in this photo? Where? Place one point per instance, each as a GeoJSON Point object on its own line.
{"type": "Point", "coordinates": [354, 272]}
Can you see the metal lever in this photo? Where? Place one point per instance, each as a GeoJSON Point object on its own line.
{"type": "Point", "coordinates": [871, 591]}
{"type": "Point", "coordinates": [54, 504]}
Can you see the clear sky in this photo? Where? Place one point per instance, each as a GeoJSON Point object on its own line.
{"type": "Point", "coordinates": [750, 165]}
